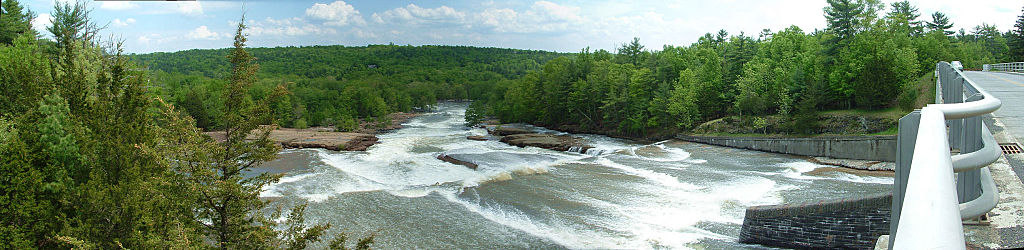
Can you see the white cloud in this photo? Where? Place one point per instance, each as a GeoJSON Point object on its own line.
{"type": "Point", "coordinates": [543, 16]}
{"type": "Point", "coordinates": [118, 5]}
{"type": "Point", "coordinates": [337, 13]}
{"type": "Point", "coordinates": [416, 14]}
{"type": "Point", "coordinates": [290, 27]}
{"type": "Point", "coordinates": [190, 8]}
{"type": "Point", "coordinates": [202, 33]}
{"type": "Point", "coordinates": [118, 23]}
{"type": "Point", "coordinates": [41, 22]}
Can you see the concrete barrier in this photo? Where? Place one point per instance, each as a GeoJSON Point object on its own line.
{"type": "Point", "coordinates": [845, 223]}
{"type": "Point", "coordinates": [871, 148]}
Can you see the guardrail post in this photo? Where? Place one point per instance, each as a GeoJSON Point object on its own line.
{"type": "Point", "coordinates": [968, 184]}
{"type": "Point", "coordinates": [906, 138]}
{"type": "Point", "coordinates": [955, 95]}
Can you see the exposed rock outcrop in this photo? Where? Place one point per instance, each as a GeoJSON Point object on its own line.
{"type": "Point", "coordinates": [452, 159]}
{"type": "Point", "coordinates": [477, 137]}
{"type": "Point", "coordinates": [547, 141]}
{"type": "Point", "coordinates": [503, 131]}
{"type": "Point", "coordinates": [313, 138]}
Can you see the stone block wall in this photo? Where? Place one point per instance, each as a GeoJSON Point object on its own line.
{"type": "Point", "coordinates": [871, 148]}
{"type": "Point", "coordinates": [844, 223]}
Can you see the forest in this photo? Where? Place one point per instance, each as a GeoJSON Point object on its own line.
{"type": "Point", "coordinates": [106, 150]}
{"type": "Point", "coordinates": [336, 85]}
{"type": "Point", "coordinates": [868, 58]}
{"type": "Point", "coordinates": [92, 157]}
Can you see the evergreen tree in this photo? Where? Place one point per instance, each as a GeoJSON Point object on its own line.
{"type": "Point", "coordinates": [1016, 40]}
{"type": "Point", "coordinates": [940, 22]}
{"type": "Point", "coordinates": [904, 12]}
{"type": "Point", "coordinates": [14, 21]}
{"type": "Point", "coordinates": [843, 21]}
{"type": "Point", "coordinates": [632, 52]}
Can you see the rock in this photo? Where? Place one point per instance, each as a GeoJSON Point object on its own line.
{"type": "Point", "coordinates": [553, 142]}
{"type": "Point", "coordinates": [855, 164]}
{"type": "Point", "coordinates": [360, 143]}
{"type": "Point", "coordinates": [449, 159]}
{"type": "Point", "coordinates": [476, 138]}
{"type": "Point", "coordinates": [503, 131]}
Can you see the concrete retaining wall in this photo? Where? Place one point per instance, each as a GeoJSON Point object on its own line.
{"type": "Point", "coordinates": [871, 148]}
{"type": "Point", "coordinates": [845, 223]}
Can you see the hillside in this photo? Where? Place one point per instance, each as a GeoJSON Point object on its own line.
{"type": "Point", "coordinates": [339, 85]}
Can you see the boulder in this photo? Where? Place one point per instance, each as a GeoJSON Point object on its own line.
{"type": "Point", "coordinates": [450, 159]}
{"type": "Point", "coordinates": [476, 138]}
{"type": "Point", "coordinates": [360, 143]}
{"type": "Point", "coordinates": [503, 131]}
{"type": "Point", "coordinates": [547, 141]}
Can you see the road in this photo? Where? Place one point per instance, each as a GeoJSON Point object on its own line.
{"type": "Point", "coordinates": [1007, 125]}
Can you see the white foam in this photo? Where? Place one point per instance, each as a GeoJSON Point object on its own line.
{"type": "Point", "coordinates": [864, 179]}
{"type": "Point", "coordinates": [797, 169]}
{"type": "Point", "coordinates": [661, 178]}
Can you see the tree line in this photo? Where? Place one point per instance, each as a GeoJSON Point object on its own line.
{"type": "Point", "coordinates": [338, 85]}
{"type": "Point", "coordinates": [92, 157]}
{"type": "Point", "coordinates": [867, 58]}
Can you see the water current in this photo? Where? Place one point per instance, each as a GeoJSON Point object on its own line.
{"type": "Point", "coordinates": [622, 194]}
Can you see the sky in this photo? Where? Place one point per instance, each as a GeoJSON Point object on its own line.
{"type": "Point", "coordinates": [553, 25]}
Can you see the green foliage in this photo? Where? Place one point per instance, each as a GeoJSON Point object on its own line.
{"type": "Point", "coordinates": [860, 61]}
{"type": "Point", "coordinates": [1016, 39]}
{"type": "Point", "coordinates": [300, 123]}
{"type": "Point", "coordinates": [940, 23]}
{"type": "Point", "coordinates": [346, 123]}
{"type": "Point", "coordinates": [326, 83]}
{"type": "Point", "coordinates": [15, 21]}
{"type": "Point", "coordinates": [475, 113]}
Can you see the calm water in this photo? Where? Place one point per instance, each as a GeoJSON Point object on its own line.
{"type": "Point", "coordinates": [622, 195]}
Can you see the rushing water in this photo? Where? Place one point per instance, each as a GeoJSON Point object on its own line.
{"type": "Point", "coordinates": [622, 194]}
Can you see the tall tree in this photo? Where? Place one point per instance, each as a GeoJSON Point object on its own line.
{"type": "Point", "coordinates": [14, 21]}
{"type": "Point", "coordinates": [907, 14]}
{"type": "Point", "coordinates": [940, 22]}
{"type": "Point", "coordinates": [230, 201]}
{"type": "Point", "coordinates": [1016, 41]}
{"type": "Point", "coordinates": [632, 52]}
{"type": "Point", "coordinates": [843, 20]}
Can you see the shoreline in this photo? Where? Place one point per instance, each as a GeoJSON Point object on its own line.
{"type": "Point", "coordinates": [854, 165]}
{"type": "Point", "coordinates": [327, 138]}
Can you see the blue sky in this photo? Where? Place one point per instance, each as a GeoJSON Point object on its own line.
{"type": "Point", "coordinates": [566, 26]}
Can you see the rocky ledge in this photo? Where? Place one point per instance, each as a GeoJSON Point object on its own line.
{"type": "Point", "coordinates": [854, 164]}
{"type": "Point", "coordinates": [553, 142]}
{"type": "Point", "coordinates": [313, 138]}
{"type": "Point", "coordinates": [503, 131]}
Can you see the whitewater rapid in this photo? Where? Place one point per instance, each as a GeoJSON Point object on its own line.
{"type": "Point", "coordinates": [623, 194]}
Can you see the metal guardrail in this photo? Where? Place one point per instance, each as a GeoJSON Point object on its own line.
{"type": "Point", "coordinates": [1011, 67]}
{"type": "Point", "coordinates": [927, 208]}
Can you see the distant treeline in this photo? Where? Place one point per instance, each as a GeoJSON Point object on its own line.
{"type": "Point", "coordinates": [335, 85]}
{"type": "Point", "coordinates": [862, 61]}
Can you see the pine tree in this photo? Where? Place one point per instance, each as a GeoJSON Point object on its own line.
{"type": "Point", "coordinates": [904, 11]}
{"type": "Point", "coordinates": [1016, 41]}
{"type": "Point", "coordinates": [843, 20]}
{"type": "Point", "coordinates": [940, 22]}
{"type": "Point", "coordinates": [231, 201]}
{"type": "Point", "coordinates": [14, 21]}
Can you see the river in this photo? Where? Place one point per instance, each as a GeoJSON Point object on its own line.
{"type": "Point", "coordinates": [623, 194]}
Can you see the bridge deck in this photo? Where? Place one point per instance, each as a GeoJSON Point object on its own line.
{"type": "Point", "coordinates": [1007, 125]}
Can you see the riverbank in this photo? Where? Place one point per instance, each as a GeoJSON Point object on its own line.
{"type": "Point", "coordinates": [327, 138]}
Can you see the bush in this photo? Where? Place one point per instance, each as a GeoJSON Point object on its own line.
{"type": "Point", "coordinates": [346, 123]}
{"type": "Point", "coordinates": [475, 114]}
{"type": "Point", "coordinates": [301, 123]}
{"type": "Point", "coordinates": [908, 98]}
